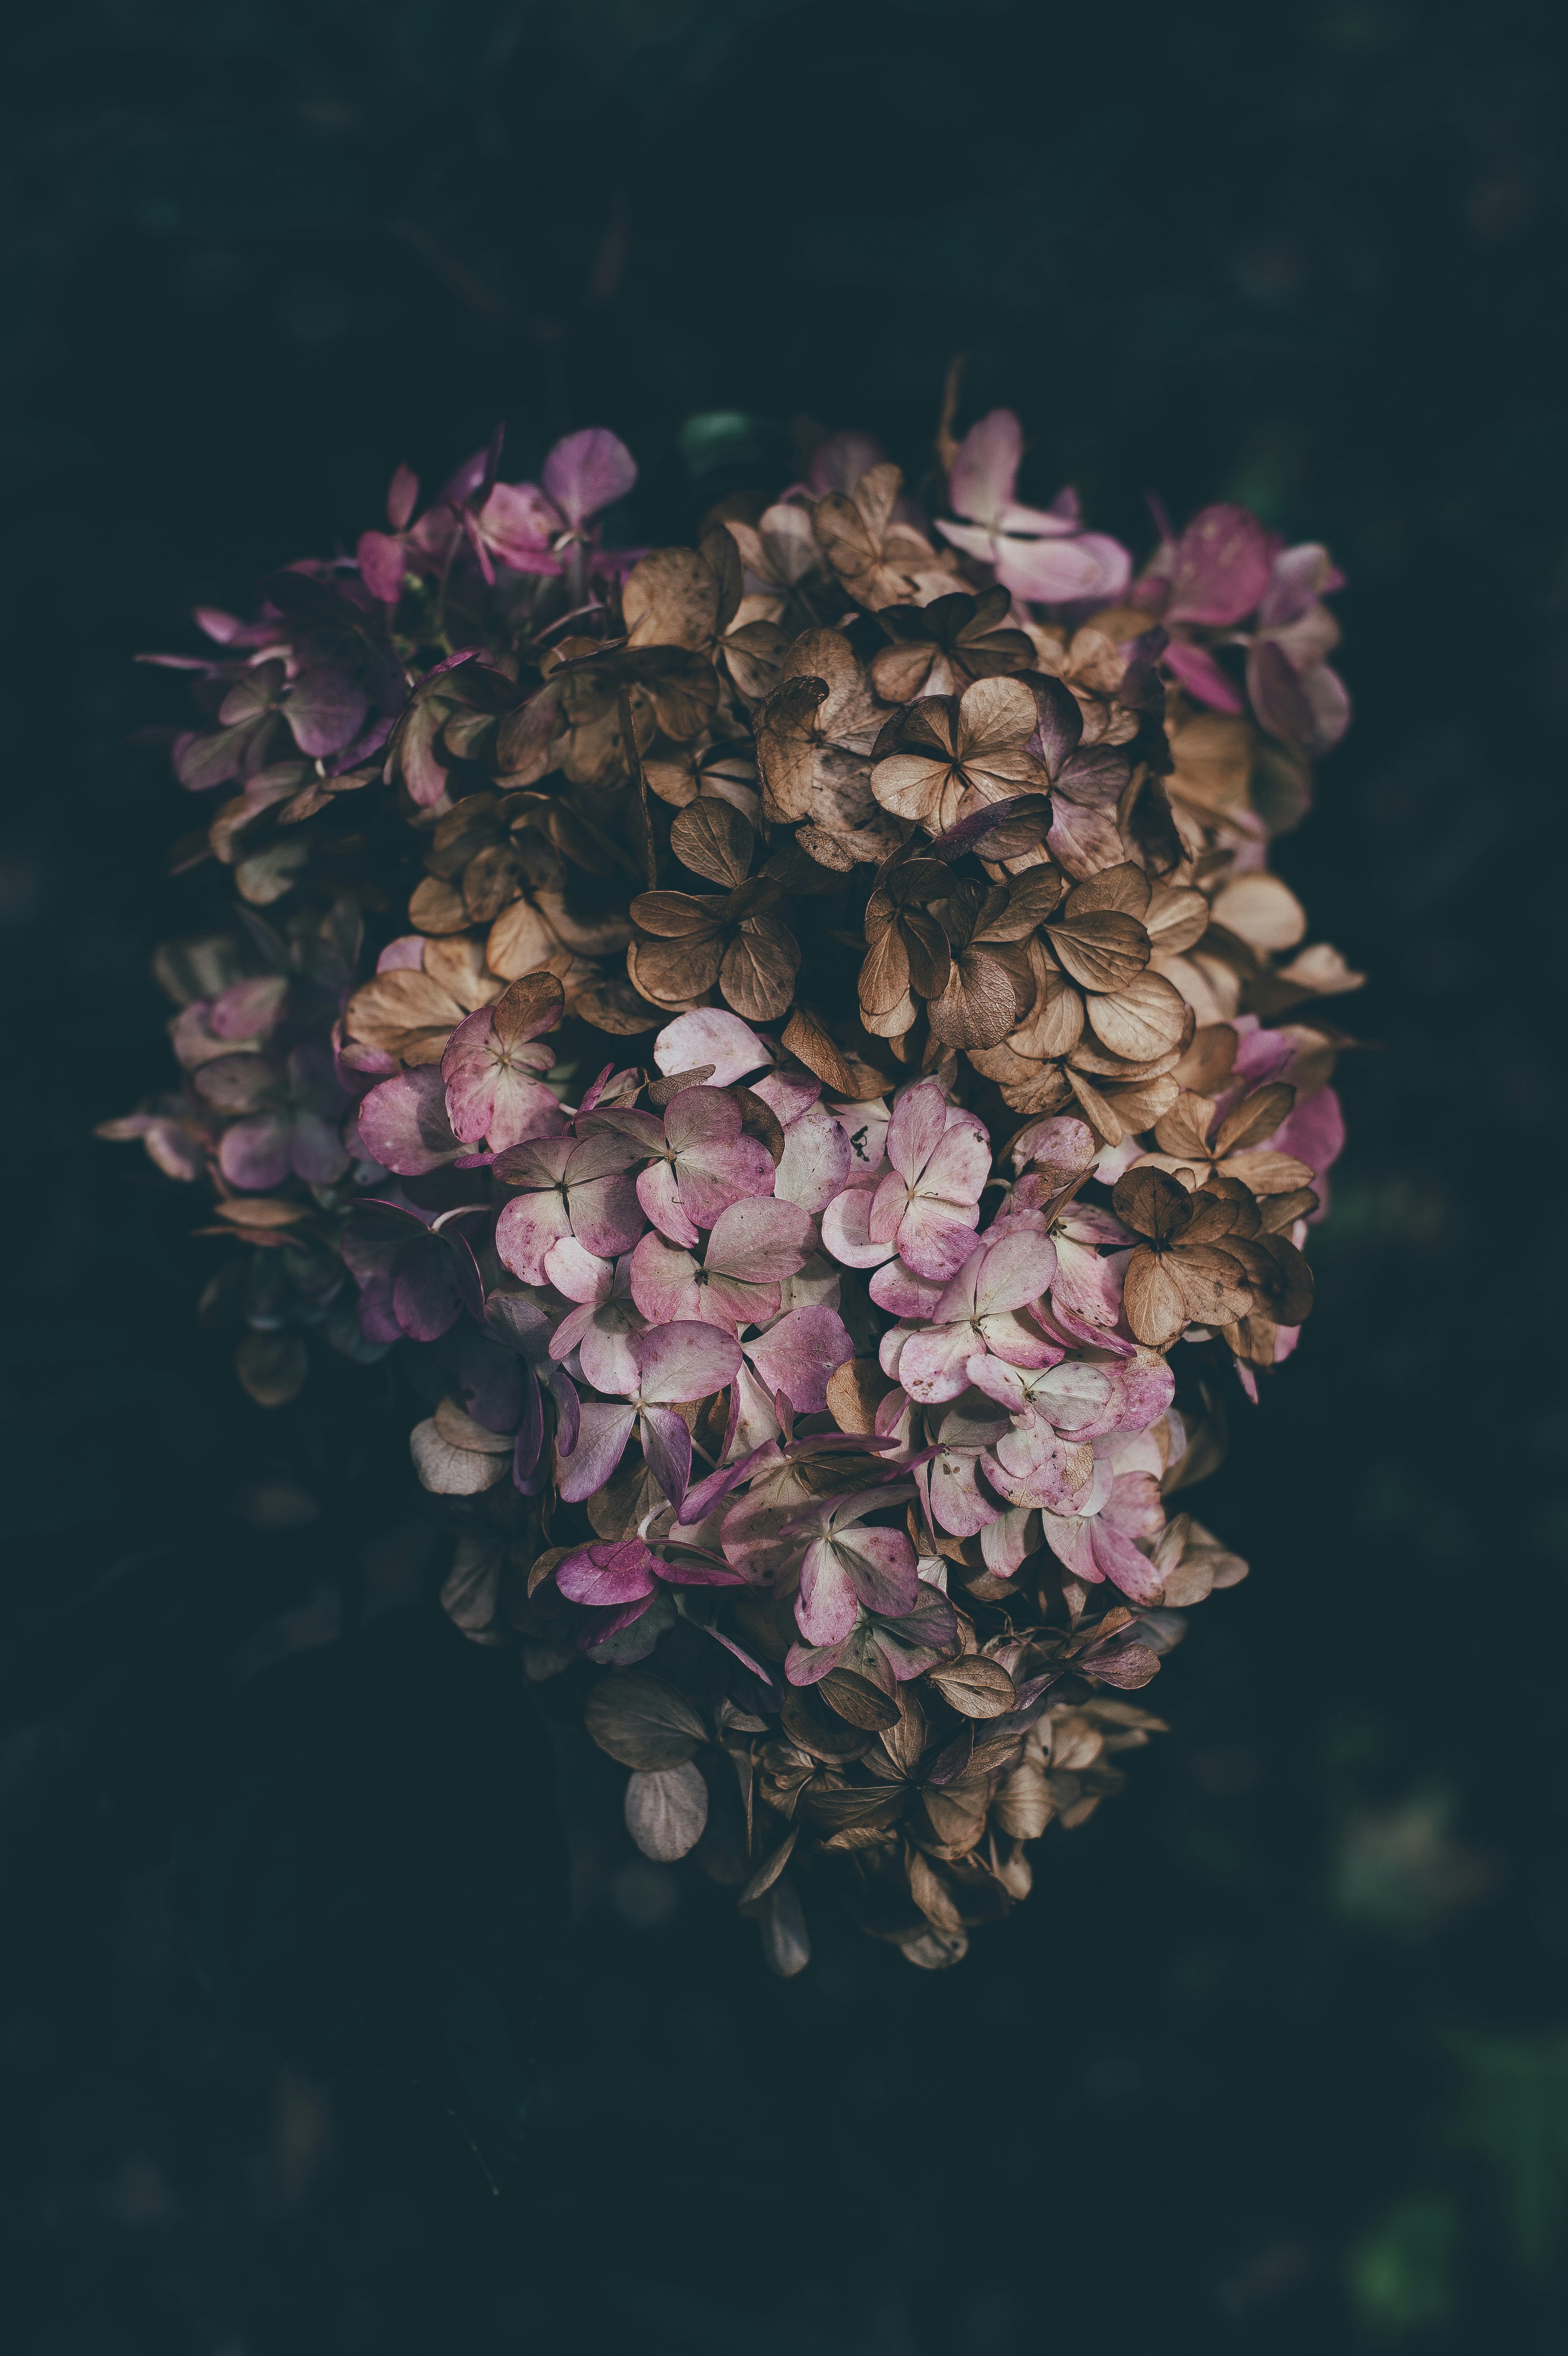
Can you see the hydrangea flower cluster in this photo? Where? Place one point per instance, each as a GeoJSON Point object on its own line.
{"type": "Point", "coordinates": [812, 1383]}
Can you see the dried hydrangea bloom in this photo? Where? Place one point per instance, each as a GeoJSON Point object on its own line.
{"type": "Point", "coordinates": [829, 1030]}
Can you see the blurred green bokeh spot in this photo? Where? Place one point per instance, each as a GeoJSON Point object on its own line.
{"type": "Point", "coordinates": [1399, 2275]}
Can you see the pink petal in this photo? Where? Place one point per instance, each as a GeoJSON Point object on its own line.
{"type": "Point", "coordinates": [491, 1098]}
{"type": "Point", "coordinates": [902, 1293]}
{"type": "Point", "coordinates": [606, 1215]}
{"type": "Point", "coordinates": [1032, 1467]}
{"type": "Point", "coordinates": [711, 1035]}
{"type": "Point", "coordinates": [817, 1158]}
{"type": "Point", "coordinates": [712, 1174]}
{"type": "Point", "coordinates": [986, 467]}
{"type": "Point", "coordinates": [588, 471]}
{"type": "Point", "coordinates": [761, 1240]}
{"type": "Point", "coordinates": [1314, 1131]}
{"type": "Point", "coordinates": [658, 1191]}
{"type": "Point", "coordinates": [961, 1164]}
{"type": "Point", "coordinates": [685, 1361]}
{"type": "Point", "coordinates": [825, 1609]}
{"type": "Point", "coordinates": [1196, 670]}
{"type": "Point", "coordinates": [607, 1574]}
{"type": "Point", "coordinates": [791, 1095]}
{"type": "Point", "coordinates": [402, 494]}
{"type": "Point", "coordinates": [519, 524]}
{"type": "Point", "coordinates": [1015, 1271]}
{"type": "Point", "coordinates": [382, 565]}
{"type": "Point", "coordinates": [845, 1231]}
{"type": "Point", "coordinates": [664, 1282]}
{"type": "Point", "coordinates": [403, 1123]}
{"type": "Point", "coordinates": [881, 1567]}
{"type": "Point", "coordinates": [666, 1450]}
{"type": "Point", "coordinates": [1068, 1537]}
{"type": "Point", "coordinates": [1017, 1340]}
{"type": "Point", "coordinates": [936, 1237]}
{"type": "Point", "coordinates": [1058, 572]}
{"type": "Point", "coordinates": [918, 1126]}
{"type": "Point", "coordinates": [935, 1365]}
{"type": "Point", "coordinates": [405, 955]}
{"type": "Point", "coordinates": [1141, 1391]}
{"type": "Point", "coordinates": [797, 1354]}
{"type": "Point", "coordinates": [527, 1230]}
{"type": "Point", "coordinates": [255, 1153]}
{"type": "Point", "coordinates": [1119, 1560]}
{"type": "Point", "coordinates": [601, 1444]}
{"type": "Point", "coordinates": [607, 1358]}
{"type": "Point", "coordinates": [957, 1502]}
{"type": "Point", "coordinates": [1300, 576]}
{"type": "Point", "coordinates": [1221, 568]}
{"type": "Point", "coordinates": [580, 1274]}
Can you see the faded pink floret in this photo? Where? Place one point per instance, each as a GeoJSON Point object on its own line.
{"type": "Point", "coordinates": [1039, 553]}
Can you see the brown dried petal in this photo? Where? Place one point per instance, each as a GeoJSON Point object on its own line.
{"type": "Point", "coordinates": [757, 976]}
{"type": "Point", "coordinates": [1208, 1061]}
{"type": "Point", "coordinates": [1152, 1301]}
{"type": "Point", "coordinates": [981, 1004]}
{"type": "Point", "coordinates": [1123, 887]}
{"type": "Point", "coordinates": [974, 1686]}
{"type": "Point", "coordinates": [642, 1721]}
{"type": "Point", "coordinates": [675, 973]}
{"type": "Point", "coordinates": [885, 973]}
{"type": "Point", "coordinates": [1141, 1021]}
{"type": "Point", "coordinates": [1183, 1131]}
{"type": "Point", "coordinates": [1256, 1116]}
{"type": "Point", "coordinates": [768, 1872]}
{"type": "Point", "coordinates": [1153, 1204]}
{"type": "Point", "coordinates": [714, 840]}
{"type": "Point", "coordinates": [856, 1699]}
{"type": "Point", "coordinates": [1102, 950]}
{"type": "Point", "coordinates": [1266, 1171]}
{"type": "Point", "coordinates": [1212, 1283]}
{"type": "Point", "coordinates": [670, 599]}
{"type": "Point", "coordinates": [677, 916]}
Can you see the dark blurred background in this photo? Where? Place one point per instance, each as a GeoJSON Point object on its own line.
{"type": "Point", "coordinates": [1276, 2058]}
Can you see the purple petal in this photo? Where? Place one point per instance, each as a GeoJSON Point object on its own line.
{"type": "Point", "coordinates": [658, 1191]}
{"type": "Point", "coordinates": [902, 1293]}
{"type": "Point", "coordinates": [761, 1240]}
{"type": "Point", "coordinates": [881, 1567]}
{"type": "Point", "coordinates": [607, 1574]}
{"type": "Point", "coordinates": [601, 1444]}
{"type": "Point", "coordinates": [666, 1450]}
{"type": "Point", "coordinates": [588, 471]}
{"type": "Point", "coordinates": [255, 1153]}
{"type": "Point", "coordinates": [664, 1282]}
{"type": "Point", "coordinates": [797, 1354]}
{"type": "Point", "coordinates": [1195, 668]}
{"type": "Point", "coordinates": [1221, 568]}
{"type": "Point", "coordinates": [524, 1231]}
{"type": "Point", "coordinates": [606, 1216]}
{"type": "Point", "coordinates": [425, 1293]}
{"type": "Point", "coordinates": [685, 1361]}
{"type": "Point", "coordinates": [404, 1125]}
{"type": "Point", "coordinates": [326, 709]}
{"type": "Point", "coordinates": [382, 564]}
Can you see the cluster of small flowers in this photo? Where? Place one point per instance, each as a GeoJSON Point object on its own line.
{"type": "Point", "coordinates": [837, 1440]}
